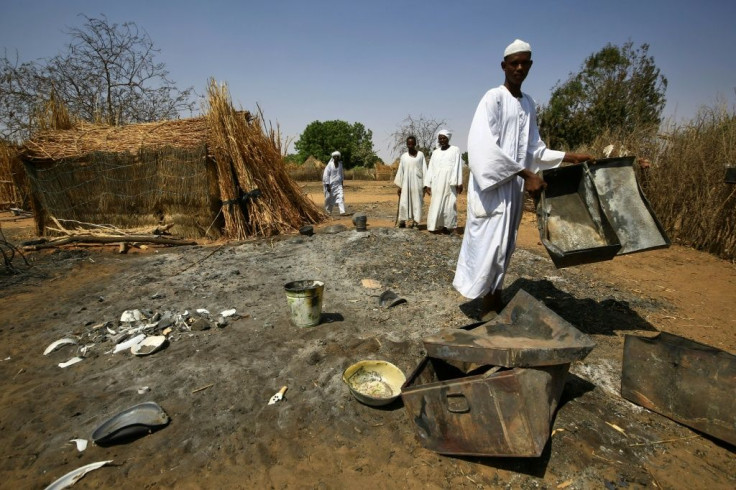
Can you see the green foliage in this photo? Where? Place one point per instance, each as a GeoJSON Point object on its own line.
{"type": "Point", "coordinates": [353, 141]}
{"type": "Point", "coordinates": [293, 158]}
{"type": "Point", "coordinates": [619, 88]}
{"type": "Point", "coordinates": [464, 156]}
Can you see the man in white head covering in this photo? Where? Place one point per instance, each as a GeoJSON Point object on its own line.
{"type": "Point", "coordinates": [332, 178]}
{"type": "Point", "coordinates": [504, 154]}
{"type": "Point", "coordinates": [444, 181]}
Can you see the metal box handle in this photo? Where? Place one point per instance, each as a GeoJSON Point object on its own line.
{"type": "Point", "coordinates": [457, 403]}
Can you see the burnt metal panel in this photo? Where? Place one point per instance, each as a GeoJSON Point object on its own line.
{"type": "Point", "coordinates": [525, 333]}
{"type": "Point", "coordinates": [689, 382]}
{"type": "Point", "coordinates": [730, 175]}
{"type": "Point", "coordinates": [626, 207]}
{"type": "Point", "coordinates": [572, 226]}
{"type": "Point", "coordinates": [591, 213]}
{"type": "Point", "coordinates": [498, 413]}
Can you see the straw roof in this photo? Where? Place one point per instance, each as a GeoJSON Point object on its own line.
{"type": "Point", "coordinates": [314, 163]}
{"type": "Point", "coordinates": [87, 138]}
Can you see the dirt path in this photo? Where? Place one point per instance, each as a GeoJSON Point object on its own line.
{"type": "Point", "coordinates": [215, 383]}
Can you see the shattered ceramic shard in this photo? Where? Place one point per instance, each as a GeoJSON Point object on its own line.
{"type": "Point", "coordinates": [130, 424]}
{"type": "Point", "coordinates": [81, 444]}
{"type": "Point", "coordinates": [149, 345]}
{"type": "Point", "coordinates": [143, 389]}
{"type": "Point", "coordinates": [74, 476]}
{"type": "Point", "coordinates": [227, 313]}
{"type": "Point", "coordinates": [131, 316]}
{"type": "Point", "coordinates": [129, 343]}
{"type": "Point", "coordinates": [55, 345]}
{"type": "Point", "coordinates": [202, 311]}
{"type": "Point", "coordinates": [70, 362]}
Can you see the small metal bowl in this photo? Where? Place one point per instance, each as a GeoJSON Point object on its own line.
{"type": "Point", "coordinates": [374, 383]}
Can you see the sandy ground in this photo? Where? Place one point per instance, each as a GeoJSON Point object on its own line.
{"type": "Point", "coordinates": [215, 383]}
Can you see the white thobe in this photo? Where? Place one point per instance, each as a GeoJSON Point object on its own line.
{"type": "Point", "coordinates": [503, 140]}
{"type": "Point", "coordinates": [444, 174]}
{"type": "Point", "coordinates": [410, 177]}
{"type": "Point", "coordinates": [332, 176]}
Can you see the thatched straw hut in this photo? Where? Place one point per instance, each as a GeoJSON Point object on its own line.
{"type": "Point", "coordinates": [14, 192]}
{"type": "Point", "coordinates": [218, 174]}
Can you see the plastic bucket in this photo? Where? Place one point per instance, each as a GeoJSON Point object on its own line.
{"type": "Point", "coordinates": [305, 302]}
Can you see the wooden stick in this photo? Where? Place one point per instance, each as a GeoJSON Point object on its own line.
{"type": "Point", "coordinates": [663, 441]}
{"type": "Point", "coordinates": [202, 388]}
{"type": "Point", "coordinates": [108, 239]}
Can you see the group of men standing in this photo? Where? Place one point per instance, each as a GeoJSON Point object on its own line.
{"type": "Point", "coordinates": [442, 179]}
{"type": "Point", "coordinates": [505, 153]}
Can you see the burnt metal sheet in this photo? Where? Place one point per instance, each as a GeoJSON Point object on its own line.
{"type": "Point", "coordinates": [591, 213]}
{"type": "Point", "coordinates": [525, 333]}
{"type": "Point", "coordinates": [626, 207]}
{"type": "Point", "coordinates": [572, 225]}
{"type": "Point", "coordinates": [689, 382]}
{"type": "Point", "coordinates": [730, 175]}
{"type": "Point", "coordinates": [498, 413]}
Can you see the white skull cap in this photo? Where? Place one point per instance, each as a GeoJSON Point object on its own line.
{"type": "Point", "coordinates": [518, 46]}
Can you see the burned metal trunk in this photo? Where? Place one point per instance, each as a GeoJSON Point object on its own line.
{"type": "Point", "coordinates": [689, 382]}
{"type": "Point", "coordinates": [493, 390]}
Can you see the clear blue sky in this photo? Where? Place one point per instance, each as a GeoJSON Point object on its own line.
{"type": "Point", "coordinates": [378, 61]}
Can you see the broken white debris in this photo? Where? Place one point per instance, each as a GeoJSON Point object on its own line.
{"type": "Point", "coordinates": [71, 361]}
{"type": "Point", "coordinates": [227, 313]}
{"type": "Point", "coordinates": [129, 343]}
{"type": "Point", "coordinates": [81, 444]}
{"type": "Point", "coordinates": [55, 345]}
{"type": "Point", "coordinates": [74, 476]}
{"type": "Point", "coordinates": [131, 316]}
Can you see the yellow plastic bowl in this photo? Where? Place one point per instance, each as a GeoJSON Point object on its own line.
{"type": "Point", "coordinates": [374, 383]}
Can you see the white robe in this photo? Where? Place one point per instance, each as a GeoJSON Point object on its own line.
{"type": "Point", "coordinates": [444, 173]}
{"type": "Point", "coordinates": [503, 140]}
{"type": "Point", "coordinates": [410, 177]}
{"type": "Point", "coordinates": [333, 176]}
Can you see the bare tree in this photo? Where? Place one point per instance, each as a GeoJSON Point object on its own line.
{"type": "Point", "coordinates": [424, 129]}
{"type": "Point", "coordinates": [108, 73]}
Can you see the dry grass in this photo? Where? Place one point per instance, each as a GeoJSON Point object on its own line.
{"type": "Point", "coordinates": [685, 180]}
{"type": "Point", "coordinates": [13, 183]}
{"type": "Point", "coordinates": [87, 138]}
{"type": "Point", "coordinates": [254, 153]}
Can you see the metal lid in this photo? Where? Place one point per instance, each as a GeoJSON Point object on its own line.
{"type": "Point", "coordinates": [526, 333]}
{"type": "Point", "coordinates": [626, 207]}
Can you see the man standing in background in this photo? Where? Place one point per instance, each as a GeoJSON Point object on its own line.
{"type": "Point", "coordinates": [444, 180]}
{"type": "Point", "coordinates": [504, 153]}
{"type": "Point", "coordinates": [410, 180]}
{"type": "Point", "coordinates": [332, 178]}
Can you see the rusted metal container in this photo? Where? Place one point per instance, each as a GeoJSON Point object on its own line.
{"type": "Point", "coordinates": [471, 396]}
{"type": "Point", "coordinates": [497, 413]}
{"type": "Point", "coordinates": [689, 382]}
{"type": "Point", "coordinates": [525, 333]}
{"type": "Point", "coordinates": [590, 213]}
